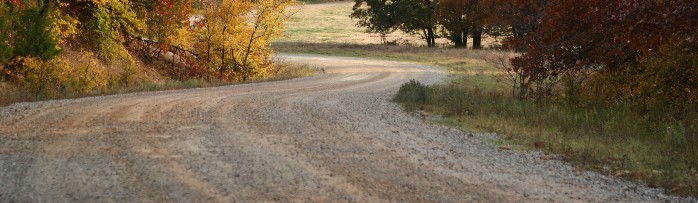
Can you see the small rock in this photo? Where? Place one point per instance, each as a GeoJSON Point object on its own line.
{"type": "Point", "coordinates": [471, 135]}
{"type": "Point", "coordinates": [504, 147]}
{"type": "Point", "coordinates": [396, 132]}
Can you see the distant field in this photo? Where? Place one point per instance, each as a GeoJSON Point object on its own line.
{"type": "Point", "coordinates": [330, 23]}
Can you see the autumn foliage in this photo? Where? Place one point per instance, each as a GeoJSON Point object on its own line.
{"type": "Point", "coordinates": [187, 39]}
{"type": "Point", "coordinates": [615, 48]}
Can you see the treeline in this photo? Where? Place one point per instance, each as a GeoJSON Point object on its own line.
{"type": "Point", "coordinates": [640, 53]}
{"type": "Point", "coordinates": [203, 39]}
{"type": "Point", "coordinates": [456, 20]}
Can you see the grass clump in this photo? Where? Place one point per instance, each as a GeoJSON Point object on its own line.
{"type": "Point", "coordinates": [414, 95]}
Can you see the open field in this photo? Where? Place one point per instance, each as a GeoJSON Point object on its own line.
{"type": "Point", "coordinates": [330, 23]}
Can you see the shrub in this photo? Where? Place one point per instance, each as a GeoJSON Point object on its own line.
{"type": "Point", "coordinates": [57, 78]}
{"type": "Point", "coordinates": [85, 78]}
{"type": "Point", "coordinates": [664, 86]}
{"type": "Point", "coordinates": [41, 78]}
{"type": "Point", "coordinates": [414, 94]}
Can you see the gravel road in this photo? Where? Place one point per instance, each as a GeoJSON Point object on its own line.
{"type": "Point", "coordinates": [328, 138]}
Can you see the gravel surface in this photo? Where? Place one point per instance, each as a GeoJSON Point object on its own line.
{"type": "Point", "coordinates": [331, 137]}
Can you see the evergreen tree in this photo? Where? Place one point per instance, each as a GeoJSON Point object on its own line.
{"type": "Point", "coordinates": [32, 35]}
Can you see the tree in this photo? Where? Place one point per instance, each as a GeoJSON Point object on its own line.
{"type": "Point", "coordinates": [618, 44]}
{"type": "Point", "coordinates": [512, 19]}
{"type": "Point", "coordinates": [6, 33]}
{"type": "Point", "coordinates": [454, 16]}
{"type": "Point", "coordinates": [33, 37]}
{"type": "Point", "coordinates": [378, 18]}
{"type": "Point", "coordinates": [234, 37]}
{"type": "Point", "coordinates": [166, 19]}
{"type": "Point", "coordinates": [25, 31]}
{"type": "Point", "coordinates": [410, 16]}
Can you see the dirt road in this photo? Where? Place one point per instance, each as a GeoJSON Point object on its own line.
{"type": "Point", "coordinates": [332, 137]}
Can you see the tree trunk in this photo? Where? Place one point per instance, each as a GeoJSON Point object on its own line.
{"type": "Point", "coordinates": [465, 39]}
{"type": "Point", "coordinates": [477, 38]}
{"type": "Point", "coordinates": [430, 37]}
{"type": "Point", "coordinates": [457, 39]}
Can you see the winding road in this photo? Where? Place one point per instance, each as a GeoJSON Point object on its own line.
{"type": "Point", "coordinates": [334, 137]}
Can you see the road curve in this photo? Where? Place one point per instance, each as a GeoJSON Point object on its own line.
{"type": "Point", "coordinates": [327, 138]}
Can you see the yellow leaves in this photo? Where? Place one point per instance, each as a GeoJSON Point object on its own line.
{"type": "Point", "coordinates": [51, 78]}
{"type": "Point", "coordinates": [62, 26]}
{"type": "Point", "coordinates": [236, 36]}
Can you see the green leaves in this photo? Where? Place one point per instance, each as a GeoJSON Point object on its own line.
{"type": "Point", "coordinates": [108, 22]}
{"type": "Point", "coordinates": [32, 35]}
{"type": "Point", "coordinates": [410, 16]}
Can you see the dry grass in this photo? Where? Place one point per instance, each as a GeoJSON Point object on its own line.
{"type": "Point", "coordinates": [330, 23]}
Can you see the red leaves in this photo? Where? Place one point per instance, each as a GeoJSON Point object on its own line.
{"type": "Point", "coordinates": [18, 3]}
{"type": "Point", "coordinates": [604, 34]}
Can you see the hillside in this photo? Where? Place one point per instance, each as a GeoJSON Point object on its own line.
{"type": "Point", "coordinates": [52, 50]}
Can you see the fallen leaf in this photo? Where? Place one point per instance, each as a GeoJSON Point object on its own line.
{"type": "Point", "coordinates": [504, 147]}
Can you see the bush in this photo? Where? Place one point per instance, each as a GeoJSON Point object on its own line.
{"type": "Point", "coordinates": [41, 78]}
{"type": "Point", "coordinates": [414, 95]}
{"type": "Point", "coordinates": [56, 78]}
{"type": "Point", "coordinates": [664, 86]}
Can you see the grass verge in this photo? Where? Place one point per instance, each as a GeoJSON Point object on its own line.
{"type": "Point", "coordinates": [11, 93]}
{"type": "Point", "coordinates": [611, 140]}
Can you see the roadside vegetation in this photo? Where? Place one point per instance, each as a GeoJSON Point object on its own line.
{"type": "Point", "coordinates": [53, 49]}
{"type": "Point", "coordinates": [607, 86]}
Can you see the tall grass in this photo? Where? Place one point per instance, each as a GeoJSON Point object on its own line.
{"type": "Point", "coordinates": [613, 140]}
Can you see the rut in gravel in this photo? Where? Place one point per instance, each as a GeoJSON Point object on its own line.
{"type": "Point", "coordinates": [331, 137]}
